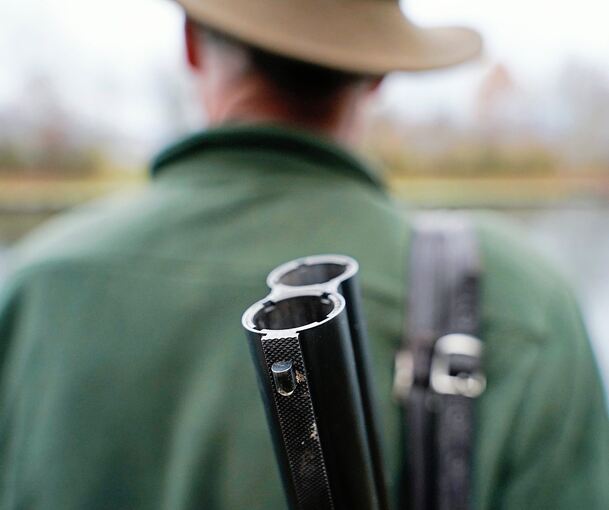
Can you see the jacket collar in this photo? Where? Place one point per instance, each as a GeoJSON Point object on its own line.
{"type": "Point", "coordinates": [290, 142]}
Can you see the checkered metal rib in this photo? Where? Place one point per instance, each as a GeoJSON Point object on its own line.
{"type": "Point", "coordinates": [299, 428]}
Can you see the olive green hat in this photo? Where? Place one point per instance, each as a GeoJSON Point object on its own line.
{"type": "Point", "coordinates": [361, 36]}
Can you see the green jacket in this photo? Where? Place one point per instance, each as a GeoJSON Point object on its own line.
{"type": "Point", "coordinates": [126, 380]}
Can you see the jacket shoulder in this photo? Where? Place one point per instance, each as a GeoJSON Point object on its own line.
{"type": "Point", "coordinates": [103, 229]}
{"type": "Point", "coordinates": [522, 289]}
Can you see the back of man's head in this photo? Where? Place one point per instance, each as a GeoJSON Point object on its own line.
{"type": "Point", "coordinates": [239, 81]}
{"type": "Point", "coordinates": [292, 76]}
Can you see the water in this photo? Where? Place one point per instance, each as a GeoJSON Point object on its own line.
{"type": "Point", "coordinates": [3, 250]}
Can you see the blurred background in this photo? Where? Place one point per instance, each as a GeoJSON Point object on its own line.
{"type": "Point", "coordinates": [89, 91]}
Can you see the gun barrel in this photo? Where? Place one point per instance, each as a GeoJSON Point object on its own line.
{"type": "Point", "coordinates": [339, 273]}
{"type": "Point", "coordinates": [301, 345]}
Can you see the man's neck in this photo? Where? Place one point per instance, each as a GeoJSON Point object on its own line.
{"type": "Point", "coordinates": [258, 103]}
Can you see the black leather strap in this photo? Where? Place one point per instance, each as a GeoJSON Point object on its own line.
{"type": "Point", "coordinates": [440, 342]}
{"type": "Point", "coordinates": [455, 431]}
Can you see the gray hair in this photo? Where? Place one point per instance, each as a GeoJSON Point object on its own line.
{"type": "Point", "coordinates": [291, 76]}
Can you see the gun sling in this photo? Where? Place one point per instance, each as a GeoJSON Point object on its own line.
{"type": "Point", "coordinates": [438, 369]}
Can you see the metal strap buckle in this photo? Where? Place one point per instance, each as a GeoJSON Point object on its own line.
{"type": "Point", "coordinates": [443, 379]}
{"type": "Point", "coordinates": [403, 375]}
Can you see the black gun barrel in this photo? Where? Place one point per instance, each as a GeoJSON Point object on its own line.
{"type": "Point", "coordinates": [339, 273]}
{"type": "Point", "coordinates": [302, 349]}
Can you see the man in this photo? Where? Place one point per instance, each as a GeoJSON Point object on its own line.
{"type": "Point", "coordinates": [126, 378]}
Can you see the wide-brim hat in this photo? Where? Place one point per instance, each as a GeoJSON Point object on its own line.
{"type": "Point", "coordinates": [361, 36]}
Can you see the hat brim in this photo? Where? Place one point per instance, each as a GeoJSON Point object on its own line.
{"type": "Point", "coordinates": [360, 36]}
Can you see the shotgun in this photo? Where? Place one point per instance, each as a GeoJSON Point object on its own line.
{"type": "Point", "coordinates": [310, 350]}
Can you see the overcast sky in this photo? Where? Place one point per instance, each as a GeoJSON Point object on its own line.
{"type": "Point", "coordinates": [109, 52]}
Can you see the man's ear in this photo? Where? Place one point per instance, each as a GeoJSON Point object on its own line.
{"type": "Point", "coordinates": [193, 45]}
